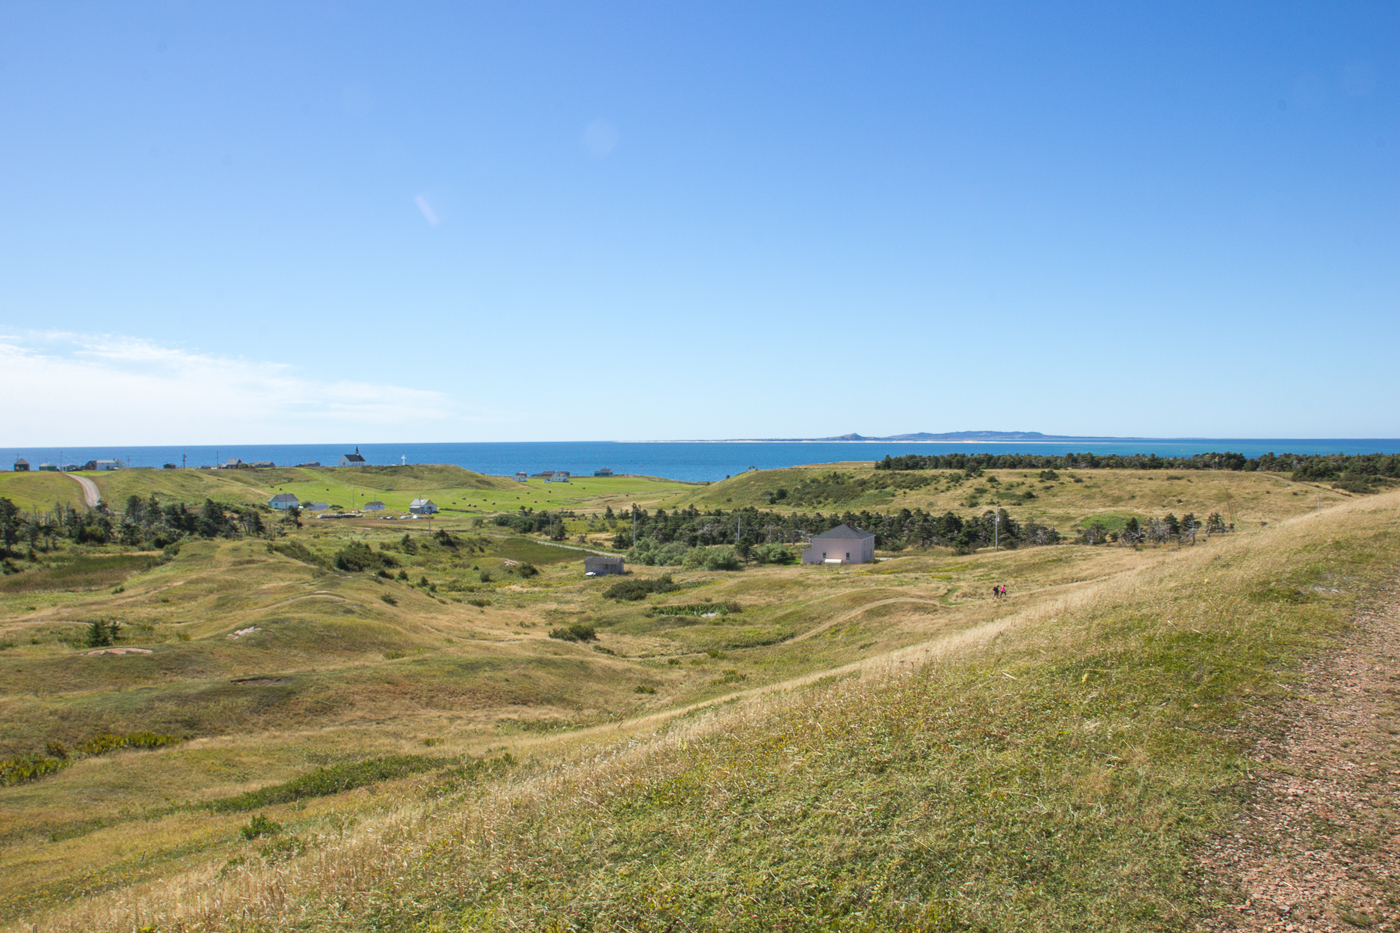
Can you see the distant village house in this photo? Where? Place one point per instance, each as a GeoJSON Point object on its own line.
{"type": "Point", "coordinates": [422, 507]}
{"type": "Point", "coordinates": [521, 477]}
{"type": "Point", "coordinates": [21, 465]}
{"type": "Point", "coordinates": [841, 545]}
{"type": "Point", "coordinates": [48, 468]}
{"type": "Point", "coordinates": [605, 471]}
{"type": "Point", "coordinates": [374, 507]}
{"type": "Point", "coordinates": [284, 501]}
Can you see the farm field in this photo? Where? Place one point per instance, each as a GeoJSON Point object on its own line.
{"type": "Point", "coordinates": [456, 730]}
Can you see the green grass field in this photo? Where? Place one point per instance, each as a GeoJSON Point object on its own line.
{"type": "Point", "coordinates": [452, 488]}
{"type": "Point", "coordinates": [863, 747]}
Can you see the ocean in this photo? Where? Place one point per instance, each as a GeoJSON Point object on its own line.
{"type": "Point", "coordinates": [693, 461]}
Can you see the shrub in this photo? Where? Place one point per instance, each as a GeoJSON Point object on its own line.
{"type": "Point", "coordinates": [357, 556]}
{"type": "Point", "coordinates": [102, 633]}
{"type": "Point", "coordinates": [527, 570]}
{"type": "Point", "coordinates": [333, 779]}
{"type": "Point", "coordinates": [479, 603]}
{"type": "Point", "coordinates": [389, 599]}
{"type": "Point", "coordinates": [633, 590]}
{"type": "Point", "coordinates": [260, 825]}
{"type": "Point", "coordinates": [298, 551]}
{"type": "Point", "coordinates": [643, 688]}
{"type": "Point", "coordinates": [772, 554]}
{"type": "Point", "coordinates": [575, 632]}
{"type": "Point", "coordinates": [713, 558]}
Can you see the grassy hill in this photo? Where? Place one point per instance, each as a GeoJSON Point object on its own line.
{"type": "Point", "coordinates": [1071, 498]}
{"type": "Point", "coordinates": [863, 747]}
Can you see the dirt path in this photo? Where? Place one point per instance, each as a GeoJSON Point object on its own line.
{"type": "Point", "coordinates": [89, 489]}
{"type": "Point", "coordinates": [932, 603]}
{"type": "Point", "coordinates": [1318, 845]}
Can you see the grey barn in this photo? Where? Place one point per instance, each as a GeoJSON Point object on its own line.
{"type": "Point", "coordinates": [841, 545]}
{"type": "Point", "coordinates": [601, 564]}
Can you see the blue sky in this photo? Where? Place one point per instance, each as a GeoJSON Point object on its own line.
{"type": "Point", "coordinates": [314, 222]}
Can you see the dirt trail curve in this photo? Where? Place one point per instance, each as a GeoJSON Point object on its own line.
{"type": "Point", "coordinates": [1317, 847]}
{"type": "Point", "coordinates": [89, 489]}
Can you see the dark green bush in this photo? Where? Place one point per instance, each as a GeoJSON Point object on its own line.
{"type": "Point", "coordinates": [639, 589]}
{"type": "Point", "coordinates": [575, 632]}
{"type": "Point", "coordinates": [358, 556]}
{"type": "Point", "coordinates": [260, 825]}
{"type": "Point", "coordinates": [333, 779]}
{"type": "Point", "coordinates": [102, 633]}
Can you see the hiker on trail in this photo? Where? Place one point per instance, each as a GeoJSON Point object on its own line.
{"type": "Point", "coordinates": [996, 592]}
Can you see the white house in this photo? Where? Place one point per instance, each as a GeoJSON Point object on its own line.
{"type": "Point", "coordinates": [284, 501]}
{"type": "Point", "coordinates": [109, 464]}
{"type": "Point", "coordinates": [522, 477]}
{"type": "Point", "coordinates": [841, 545]}
{"type": "Point", "coordinates": [373, 507]}
{"type": "Point", "coordinates": [422, 507]}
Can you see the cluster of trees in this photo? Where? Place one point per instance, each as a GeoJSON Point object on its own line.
{"type": "Point", "coordinates": [1155, 531]}
{"type": "Point", "coordinates": [673, 538]}
{"type": "Point", "coordinates": [144, 523]}
{"type": "Point", "coordinates": [1302, 466]}
{"type": "Point", "coordinates": [528, 521]}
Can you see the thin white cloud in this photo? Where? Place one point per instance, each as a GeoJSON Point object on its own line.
{"type": "Point", "coordinates": [82, 388]}
{"type": "Point", "coordinates": [429, 214]}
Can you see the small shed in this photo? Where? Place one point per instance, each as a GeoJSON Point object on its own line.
{"type": "Point", "coordinates": [373, 507]}
{"type": "Point", "coordinates": [601, 564]}
{"type": "Point", "coordinates": [422, 507]}
{"type": "Point", "coordinates": [841, 545]}
{"type": "Point", "coordinates": [48, 468]}
{"type": "Point", "coordinates": [21, 465]}
{"type": "Point", "coordinates": [318, 506]}
{"type": "Point", "coordinates": [283, 501]}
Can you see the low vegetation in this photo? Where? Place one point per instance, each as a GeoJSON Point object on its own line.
{"type": "Point", "coordinates": [864, 747]}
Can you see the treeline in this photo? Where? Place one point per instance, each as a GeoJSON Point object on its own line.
{"type": "Point", "coordinates": [673, 538]}
{"type": "Point", "coordinates": [144, 523]}
{"type": "Point", "coordinates": [1316, 467]}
